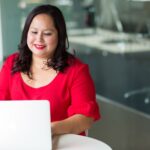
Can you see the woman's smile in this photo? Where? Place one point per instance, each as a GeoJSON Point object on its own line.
{"type": "Point", "coordinates": [39, 46]}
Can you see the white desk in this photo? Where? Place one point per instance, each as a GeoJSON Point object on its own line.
{"type": "Point", "coordinates": [77, 142]}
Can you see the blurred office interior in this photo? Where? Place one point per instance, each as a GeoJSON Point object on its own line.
{"type": "Point", "coordinates": [113, 37]}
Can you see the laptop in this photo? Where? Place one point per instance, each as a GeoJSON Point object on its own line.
{"type": "Point", "coordinates": [25, 125]}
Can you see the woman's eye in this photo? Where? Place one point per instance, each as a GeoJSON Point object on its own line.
{"type": "Point", "coordinates": [48, 34]}
{"type": "Point", "coordinates": [33, 32]}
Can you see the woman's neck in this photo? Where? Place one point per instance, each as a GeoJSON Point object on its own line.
{"type": "Point", "coordinates": [39, 63]}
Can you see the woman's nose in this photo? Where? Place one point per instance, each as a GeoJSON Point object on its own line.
{"type": "Point", "coordinates": [40, 37]}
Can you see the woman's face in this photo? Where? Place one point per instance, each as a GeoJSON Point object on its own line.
{"type": "Point", "coordinates": [42, 37]}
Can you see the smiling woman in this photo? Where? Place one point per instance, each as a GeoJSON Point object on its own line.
{"type": "Point", "coordinates": [44, 69]}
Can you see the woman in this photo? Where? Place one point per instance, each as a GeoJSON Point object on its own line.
{"type": "Point", "coordinates": [43, 69]}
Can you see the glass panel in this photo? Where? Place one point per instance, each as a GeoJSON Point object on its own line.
{"type": "Point", "coordinates": [1, 43]}
{"type": "Point", "coordinates": [110, 37]}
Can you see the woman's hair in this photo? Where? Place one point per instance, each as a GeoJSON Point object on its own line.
{"type": "Point", "coordinates": [60, 58]}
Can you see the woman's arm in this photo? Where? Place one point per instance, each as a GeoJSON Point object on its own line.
{"type": "Point", "coordinates": [83, 104]}
{"type": "Point", "coordinates": [5, 74]}
{"type": "Point", "coordinates": [74, 124]}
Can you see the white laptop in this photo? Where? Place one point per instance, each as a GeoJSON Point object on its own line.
{"type": "Point", "coordinates": [25, 125]}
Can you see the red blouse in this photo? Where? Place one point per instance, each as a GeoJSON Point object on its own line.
{"type": "Point", "coordinates": [71, 92]}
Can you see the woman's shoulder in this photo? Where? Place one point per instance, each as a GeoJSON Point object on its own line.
{"type": "Point", "coordinates": [12, 56]}
{"type": "Point", "coordinates": [10, 59]}
{"type": "Point", "coordinates": [76, 65]}
{"type": "Point", "coordinates": [76, 62]}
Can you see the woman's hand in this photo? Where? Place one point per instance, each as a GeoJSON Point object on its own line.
{"type": "Point", "coordinates": [53, 128]}
{"type": "Point", "coordinates": [74, 124]}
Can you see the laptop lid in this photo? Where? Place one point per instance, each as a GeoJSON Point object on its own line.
{"type": "Point", "coordinates": [25, 125]}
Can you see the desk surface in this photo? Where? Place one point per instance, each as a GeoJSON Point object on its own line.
{"type": "Point", "coordinates": [77, 142]}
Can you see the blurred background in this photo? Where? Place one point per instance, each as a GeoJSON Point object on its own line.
{"type": "Point", "coordinates": [113, 37]}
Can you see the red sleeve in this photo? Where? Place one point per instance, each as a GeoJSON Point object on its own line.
{"type": "Point", "coordinates": [4, 82]}
{"type": "Point", "coordinates": [5, 75]}
{"type": "Point", "coordinates": [83, 94]}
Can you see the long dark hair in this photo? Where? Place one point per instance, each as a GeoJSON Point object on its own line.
{"type": "Point", "coordinates": [60, 58]}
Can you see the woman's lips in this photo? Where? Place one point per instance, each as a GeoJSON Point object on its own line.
{"type": "Point", "coordinates": [39, 47]}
